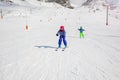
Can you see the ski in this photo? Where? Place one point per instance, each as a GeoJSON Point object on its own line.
{"type": "Point", "coordinates": [63, 49]}
{"type": "Point", "coordinates": [56, 49]}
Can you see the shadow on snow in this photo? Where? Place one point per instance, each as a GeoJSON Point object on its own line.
{"type": "Point", "coordinates": [43, 46]}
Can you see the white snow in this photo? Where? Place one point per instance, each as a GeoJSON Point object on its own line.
{"type": "Point", "coordinates": [77, 3]}
{"type": "Point", "coordinates": [30, 54]}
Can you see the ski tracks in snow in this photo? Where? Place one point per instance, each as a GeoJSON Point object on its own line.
{"type": "Point", "coordinates": [71, 64]}
{"type": "Point", "coordinates": [98, 66]}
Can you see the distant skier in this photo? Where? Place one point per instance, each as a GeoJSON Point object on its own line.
{"type": "Point", "coordinates": [62, 37]}
{"type": "Point", "coordinates": [81, 32]}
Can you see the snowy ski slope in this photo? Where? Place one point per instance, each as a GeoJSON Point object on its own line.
{"type": "Point", "coordinates": [30, 54]}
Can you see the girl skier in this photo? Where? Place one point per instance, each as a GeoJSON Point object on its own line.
{"type": "Point", "coordinates": [81, 32]}
{"type": "Point", "coordinates": [62, 35]}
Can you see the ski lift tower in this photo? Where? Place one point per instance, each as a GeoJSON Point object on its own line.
{"type": "Point", "coordinates": [1, 14]}
{"type": "Point", "coordinates": [110, 3]}
{"type": "Point", "coordinates": [107, 9]}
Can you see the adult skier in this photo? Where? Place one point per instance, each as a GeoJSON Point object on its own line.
{"type": "Point", "coordinates": [81, 32]}
{"type": "Point", "coordinates": [62, 37]}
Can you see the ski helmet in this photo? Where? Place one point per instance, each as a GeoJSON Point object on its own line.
{"type": "Point", "coordinates": [61, 27]}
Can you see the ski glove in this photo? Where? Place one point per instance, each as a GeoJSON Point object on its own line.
{"type": "Point", "coordinates": [56, 34]}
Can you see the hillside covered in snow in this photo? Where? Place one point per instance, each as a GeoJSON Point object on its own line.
{"type": "Point", "coordinates": [29, 53]}
{"type": "Point", "coordinates": [93, 5]}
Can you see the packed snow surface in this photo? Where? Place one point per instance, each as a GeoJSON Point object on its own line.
{"type": "Point", "coordinates": [30, 54]}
